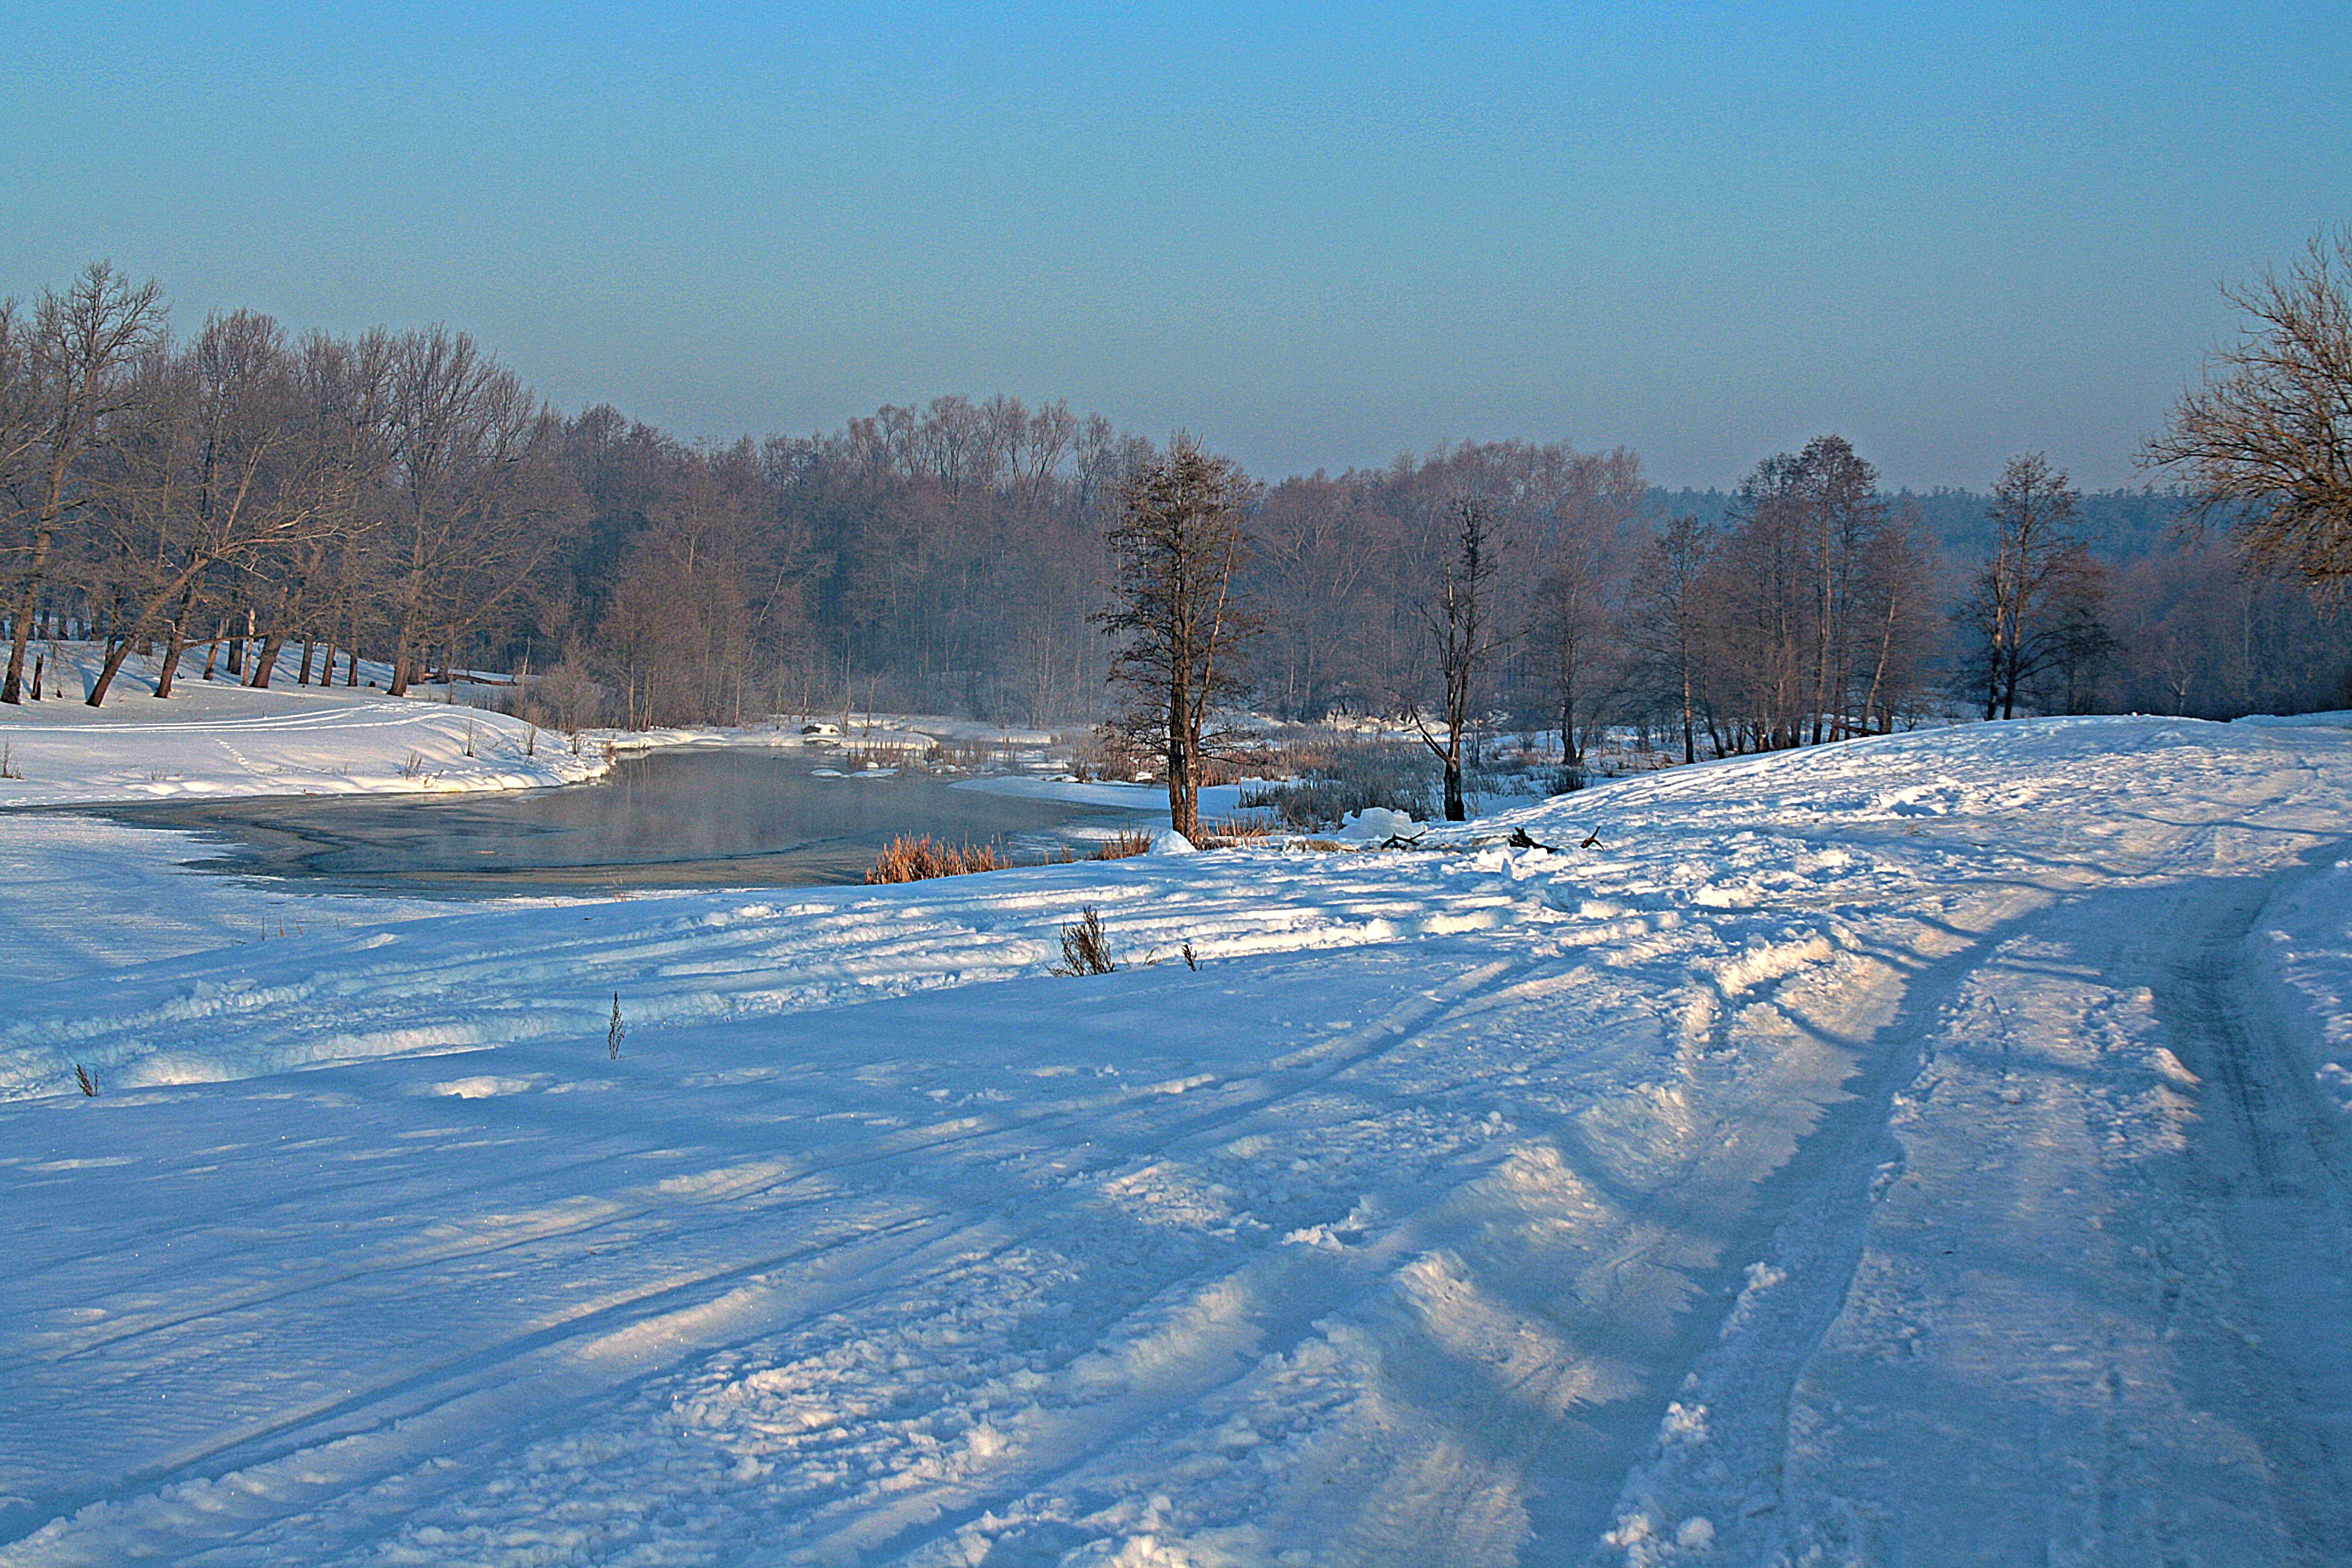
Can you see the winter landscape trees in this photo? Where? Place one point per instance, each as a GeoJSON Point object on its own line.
{"type": "Point", "coordinates": [403, 497]}
{"type": "Point", "coordinates": [2035, 603]}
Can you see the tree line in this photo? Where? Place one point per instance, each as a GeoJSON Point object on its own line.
{"type": "Point", "coordinates": [403, 500]}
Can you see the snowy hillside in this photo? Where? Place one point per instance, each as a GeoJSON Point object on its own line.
{"type": "Point", "coordinates": [1925, 1149]}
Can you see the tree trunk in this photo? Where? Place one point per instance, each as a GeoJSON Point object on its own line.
{"type": "Point", "coordinates": [148, 614]}
{"type": "Point", "coordinates": [175, 640]}
{"type": "Point", "coordinates": [52, 501]}
{"type": "Point", "coordinates": [1690, 739]}
{"type": "Point", "coordinates": [403, 649]}
{"type": "Point", "coordinates": [1183, 778]}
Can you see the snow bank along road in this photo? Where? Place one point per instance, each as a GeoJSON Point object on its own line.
{"type": "Point", "coordinates": [1923, 1150]}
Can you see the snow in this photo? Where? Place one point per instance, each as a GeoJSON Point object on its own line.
{"type": "Point", "coordinates": [218, 739]}
{"type": "Point", "coordinates": [1926, 1148]}
{"type": "Point", "coordinates": [212, 740]}
{"type": "Point", "coordinates": [2336, 718]}
{"type": "Point", "coordinates": [1377, 825]}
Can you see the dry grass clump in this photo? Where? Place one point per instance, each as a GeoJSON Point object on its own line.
{"type": "Point", "coordinates": [1123, 844]}
{"type": "Point", "coordinates": [917, 859]}
{"type": "Point", "coordinates": [1084, 949]}
{"type": "Point", "coordinates": [1241, 832]}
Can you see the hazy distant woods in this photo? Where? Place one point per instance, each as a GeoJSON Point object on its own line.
{"type": "Point", "coordinates": [401, 497]}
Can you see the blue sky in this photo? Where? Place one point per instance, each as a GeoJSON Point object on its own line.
{"type": "Point", "coordinates": [1315, 234]}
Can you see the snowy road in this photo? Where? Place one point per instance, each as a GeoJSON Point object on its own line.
{"type": "Point", "coordinates": [1924, 1150]}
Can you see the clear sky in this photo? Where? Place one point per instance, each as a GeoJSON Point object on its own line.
{"type": "Point", "coordinates": [1315, 234]}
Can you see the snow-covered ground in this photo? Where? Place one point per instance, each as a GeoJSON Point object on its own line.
{"type": "Point", "coordinates": [1923, 1149]}
{"type": "Point", "coordinates": [211, 740]}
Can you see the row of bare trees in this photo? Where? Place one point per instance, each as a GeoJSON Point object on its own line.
{"type": "Point", "coordinates": [398, 487]}
{"type": "Point", "coordinates": [403, 499]}
{"type": "Point", "coordinates": [1530, 578]}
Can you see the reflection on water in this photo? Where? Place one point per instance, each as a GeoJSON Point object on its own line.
{"type": "Point", "coordinates": [670, 820]}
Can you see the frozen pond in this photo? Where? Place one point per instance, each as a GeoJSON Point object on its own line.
{"type": "Point", "coordinates": [669, 819]}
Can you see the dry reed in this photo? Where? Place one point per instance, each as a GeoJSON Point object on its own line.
{"type": "Point", "coordinates": [918, 859]}
{"type": "Point", "coordinates": [1122, 844]}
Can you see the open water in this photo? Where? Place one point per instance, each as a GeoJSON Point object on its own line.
{"type": "Point", "coordinates": [688, 819]}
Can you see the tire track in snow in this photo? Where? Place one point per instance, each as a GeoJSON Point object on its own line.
{"type": "Point", "coordinates": [409, 1401]}
{"type": "Point", "coordinates": [2280, 1173]}
{"type": "Point", "coordinates": [1717, 1459]}
{"type": "Point", "coordinates": [1782, 1278]}
{"type": "Point", "coordinates": [415, 1416]}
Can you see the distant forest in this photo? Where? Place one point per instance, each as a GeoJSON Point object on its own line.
{"type": "Point", "coordinates": [402, 497]}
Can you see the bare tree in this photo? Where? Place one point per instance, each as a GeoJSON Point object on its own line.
{"type": "Point", "coordinates": [1576, 629]}
{"type": "Point", "coordinates": [1669, 621]}
{"type": "Point", "coordinates": [473, 453]}
{"type": "Point", "coordinates": [1898, 616]}
{"type": "Point", "coordinates": [1178, 543]}
{"type": "Point", "coordinates": [1761, 595]}
{"type": "Point", "coordinates": [1844, 521]}
{"type": "Point", "coordinates": [83, 344]}
{"type": "Point", "coordinates": [1457, 611]}
{"type": "Point", "coordinates": [2035, 602]}
{"type": "Point", "coordinates": [228, 465]}
{"type": "Point", "coordinates": [2269, 435]}
{"type": "Point", "coordinates": [21, 423]}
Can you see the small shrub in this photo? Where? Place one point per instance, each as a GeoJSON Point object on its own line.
{"type": "Point", "coordinates": [1084, 949]}
{"type": "Point", "coordinates": [918, 859]}
{"type": "Point", "coordinates": [617, 1028]}
{"type": "Point", "coordinates": [86, 1079]}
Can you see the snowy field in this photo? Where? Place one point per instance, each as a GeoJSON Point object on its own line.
{"type": "Point", "coordinates": [1928, 1149]}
